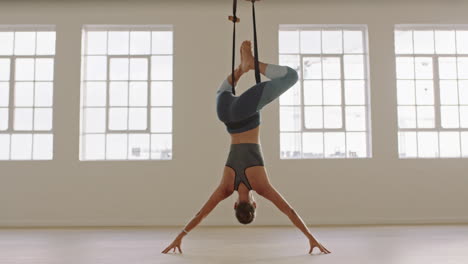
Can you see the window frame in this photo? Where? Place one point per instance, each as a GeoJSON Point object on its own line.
{"type": "Point", "coordinates": [437, 105]}
{"type": "Point", "coordinates": [107, 107]}
{"type": "Point", "coordinates": [10, 131]}
{"type": "Point", "coordinates": [343, 105]}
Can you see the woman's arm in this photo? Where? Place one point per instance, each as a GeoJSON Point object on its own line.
{"type": "Point", "coordinates": [218, 195]}
{"type": "Point", "coordinates": [277, 199]}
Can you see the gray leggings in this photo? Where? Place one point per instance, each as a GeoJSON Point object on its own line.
{"type": "Point", "coordinates": [235, 109]}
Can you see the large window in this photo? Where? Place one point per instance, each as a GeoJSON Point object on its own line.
{"type": "Point", "coordinates": [432, 87]}
{"type": "Point", "coordinates": [126, 93]}
{"type": "Point", "coordinates": [26, 92]}
{"type": "Point", "coordinates": [326, 114]}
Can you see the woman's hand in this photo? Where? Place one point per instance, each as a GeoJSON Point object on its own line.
{"type": "Point", "coordinates": [174, 245]}
{"type": "Point", "coordinates": [314, 243]}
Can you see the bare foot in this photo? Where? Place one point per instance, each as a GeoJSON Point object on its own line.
{"type": "Point", "coordinates": [247, 59]}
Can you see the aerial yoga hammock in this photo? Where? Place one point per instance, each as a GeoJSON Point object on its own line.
{"type": "Point", "coordinates": [241, 115]}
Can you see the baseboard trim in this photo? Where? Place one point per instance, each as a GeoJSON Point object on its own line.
{"type": "Point", "coordinates": [226, 222]}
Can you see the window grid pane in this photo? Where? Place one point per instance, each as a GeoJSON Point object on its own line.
{"type": "Point", "coordinates": [325, 115]}
{"type": "Point", "coordinates": [26, 92]}
{"type": "Point", "coordinates": [126, 104]}
{"type": "Point", "coordinates": [431, 72]}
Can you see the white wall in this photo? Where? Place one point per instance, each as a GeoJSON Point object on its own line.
{"type": "Point", "coordinates": [383, 189]}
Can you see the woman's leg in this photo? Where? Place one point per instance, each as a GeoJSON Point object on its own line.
{"type": "Point", "coordinates": [281, 79]}
{"type": "Point", "coordinates": [259, 95]}
{"type": "Point", "coordinates": [245, 65]}
{"type": "Point", "coordinates": [227, 83]}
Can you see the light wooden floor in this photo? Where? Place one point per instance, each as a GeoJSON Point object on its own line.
{"type": "Point", "coordinates": [349, 245]}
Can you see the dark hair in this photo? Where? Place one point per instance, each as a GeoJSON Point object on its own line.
{"type": "Point", "coordinates": [245, 213]}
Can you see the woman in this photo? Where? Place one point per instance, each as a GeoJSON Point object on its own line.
{"type": "Point", "coordinates": [241, 114]}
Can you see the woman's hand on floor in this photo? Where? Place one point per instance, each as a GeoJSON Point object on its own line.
{"type": "Point", "coordinates": [314, 243]}
{"type": "Point", "coordinates": [174, 245]}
